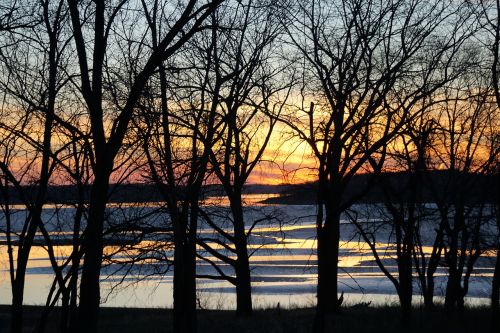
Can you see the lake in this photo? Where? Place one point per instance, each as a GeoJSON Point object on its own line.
{"type": "Point", "coordinates": [283, 260]}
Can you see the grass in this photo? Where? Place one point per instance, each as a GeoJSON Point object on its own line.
{"type": "Point", "coordinates": [351, 319]}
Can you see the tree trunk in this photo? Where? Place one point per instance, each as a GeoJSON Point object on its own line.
{"type": "Point", "coordinates": [17, 307]}
{"type": "Point", "coordinates": [184, 320]}
{"type": "Point", "coordinates": [242, 268]}
{"type": "Point", "coordinates": [75, 265]}
{"type": "Point", "coordinates": [22, 263]}
{"type": "Point", "coordinates": [184, 290]}
{"type": "Point", "coordinates": [495, 295]}
{"type": "Point", "coordinates": [27, 242]}
{"type": "Point", "coordinates": [243, 286]}
{"type": "Point", "coordinates": [328, 253]}
{"type": "Point", "coordinates": [405, 291]}
{"type": "Point", "coordinates": [88, 312]}
{"type": "Point", "coordinates": [452, 295]}
{"type": "Point", "coordinates": [429, 293]}
{"type": "Point", "coordinates": [453, 284]}
{"type": "Point", "coordinates": [65, 311]}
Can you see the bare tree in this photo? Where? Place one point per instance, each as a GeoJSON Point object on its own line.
{"type": "Point", "coordinates": [178, 164]}
{"type": "Point", "coordinates": [94, 45]}
{"type": "Point", "coordinates": [490, 17]}
{"type": "Point", "coordinates": [463, 150]}
{"type": "Point", "coordinates": [400, 214]}
{"type": "Point", "coordinates": [32, 81]}
{"type": "Point", "coordinates": [362, 60]}
{"type": "Point", "coordinates": [177, 127]}
{"type": "Point", "coordinates": [444, 153]}
{"type": "Point", "coordinates": [248, 105]}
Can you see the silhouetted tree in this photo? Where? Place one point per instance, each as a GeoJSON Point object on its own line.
{"type": "Point", "coordinates": [463, 150]}
{"type": "Point", "coordinates": [93, 56]}
{"type": "Point", "coordinates": [35, 89]}
{"type": "Point", "coordinates": [490, 19]}
{"type": "Point", "coordinates": [399, 213]}
{"type": "Point", "coordinates": [178, 130]}
{"type": "Point", "coordinates": [248, 105]}
{"type": "Point", "coordinates": [366, 65]}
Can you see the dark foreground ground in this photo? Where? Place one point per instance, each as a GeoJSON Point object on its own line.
{"type": "Point", "coordinates": [351, 319]}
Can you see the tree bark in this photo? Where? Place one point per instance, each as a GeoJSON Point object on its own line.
{"type": "Point", "coordinates": [88, 312]}
{"type": "Point", "coordinates": [405, 291]}
{"type": "Point", "coordinates": [17, 306]}
{"type": "Point", "coordinates": [454, 297]}
{"type": "Point", "coordinates": [452, 290]}
{"type": "Point", "coordinates": [243, 287]}
{"type": "Point", "coordinates": [242, 268]}
{"type": "Point", "coordinates": [495, 288]}
{"type": "Point", "coordinates": [184, 289]}
{"type": "Point", "coordinates": [495, 295]}
{"type": "Point", "coordinates": [184, 320]}
{"type": "Point", "coordinates": [429, 293]}
{"type": "Point", "coordinates": [328, 253]}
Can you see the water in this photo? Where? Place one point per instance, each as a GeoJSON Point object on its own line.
{"type": "Point", "coordinates": [283, 262]}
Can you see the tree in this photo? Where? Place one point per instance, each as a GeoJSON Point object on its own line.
{"type": "Point", "coordinates": [400, 214]}
{"type": "Point", "coordinates": [94, 42]}
{"type": "Point", "coordinates": [464, 153]}
{"type": "Point", "coordinates": [249, 103]}
{"type": "Point", "coordinates": [32, 81]}
{"type": "Point", "coordinates": [366, 65]}
{"type": "Point", "coordinates": [177, 128]}
{"type": "Point", "coordinates": [490, 19]}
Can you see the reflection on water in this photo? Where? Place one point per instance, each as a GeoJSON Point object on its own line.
{"type": "Point", "coordinates": [283, 268]}
{"type": "Point", "coordinates": [248, 199]}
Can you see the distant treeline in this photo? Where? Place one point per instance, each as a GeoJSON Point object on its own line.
{"type": "Point", "coordinates": [128, 193]}
{"type": "Point", "coordinates": [392, 185]}
{"type": "Point", "coordinates": [385, 186]}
